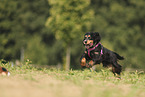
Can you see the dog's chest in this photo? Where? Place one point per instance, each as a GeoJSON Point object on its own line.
{"type": "Point", "coordinates": [91, 54]}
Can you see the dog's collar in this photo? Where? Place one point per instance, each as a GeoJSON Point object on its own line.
{"type": "Point", "coordinates": [90, 49]}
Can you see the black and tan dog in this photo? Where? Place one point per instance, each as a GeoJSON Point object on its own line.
{"type": "Point", "coordinates": [95, 53]}
{"type": "Point", "coordinates": [4, 71]}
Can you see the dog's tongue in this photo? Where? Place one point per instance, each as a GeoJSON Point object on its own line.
{"type": "Point", "coordinates": [87, 46]}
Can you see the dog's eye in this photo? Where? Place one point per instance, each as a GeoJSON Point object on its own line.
{"type": "Point", "coordinates": [85, 36]}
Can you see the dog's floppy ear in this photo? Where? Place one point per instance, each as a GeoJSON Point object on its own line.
{"type": "Point", "coordinates": [96, 36]}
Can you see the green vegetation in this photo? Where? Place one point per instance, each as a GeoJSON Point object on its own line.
{"type": "Point", "coordinates": [67, 20]}
{"type": "Point", "coordinates": [43, 30]}
{"type": "Point", "coordinates": [27, 80]}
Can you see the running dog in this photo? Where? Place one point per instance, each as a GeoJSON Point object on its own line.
{"type": "Point", "coordinates": [95, 53]}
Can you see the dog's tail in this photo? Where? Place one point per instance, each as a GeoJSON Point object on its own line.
{"type": "Point", "coordinates": [118, 56]}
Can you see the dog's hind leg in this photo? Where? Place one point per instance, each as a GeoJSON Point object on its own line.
{"type": "Point", "coordinates": [116, 69]}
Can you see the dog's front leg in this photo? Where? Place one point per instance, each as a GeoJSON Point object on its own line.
{"type": "Point", "coordinates": [90, 64]}
{"type": "Point", "coordinates": [83, 62]}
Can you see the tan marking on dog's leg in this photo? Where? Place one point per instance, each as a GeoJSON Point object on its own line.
{"type": "Point", "coordinates": [83, 62]}
{"type": "Point", "coordinates": [91, 63]}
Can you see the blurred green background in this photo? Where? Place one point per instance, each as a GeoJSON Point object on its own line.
{"type": "Point", "coordinates": [49, 32]}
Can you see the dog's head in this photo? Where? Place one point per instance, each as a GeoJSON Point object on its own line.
{"type": "Point", "coordinates": [91, 39]}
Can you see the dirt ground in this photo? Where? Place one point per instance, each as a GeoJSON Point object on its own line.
{"type": "Point", "coordinates": [44, 85]}
{"type": "Point", "coordinates": [41, 86]}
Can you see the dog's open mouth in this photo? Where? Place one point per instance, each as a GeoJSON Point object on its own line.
{"type": "Point", "coordinates": [87, 46]}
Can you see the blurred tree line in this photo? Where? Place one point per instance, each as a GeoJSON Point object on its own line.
{"type": "Point", "coordinates": [43, 30]}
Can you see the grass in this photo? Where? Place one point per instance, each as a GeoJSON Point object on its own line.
{"type": "Point", "coordinates": [28, 81]}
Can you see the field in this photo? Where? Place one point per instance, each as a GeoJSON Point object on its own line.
{"type": "Point", "coordinates": [28, 81]}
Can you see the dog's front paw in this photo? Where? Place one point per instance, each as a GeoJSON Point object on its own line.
{"type": "Point", "coordinates": [90, 64]}
{"type": "Point", "coordinates": [87, 65]}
